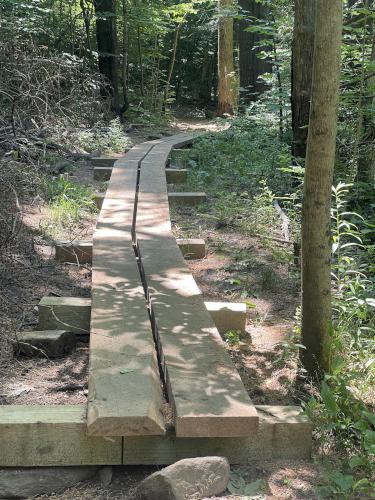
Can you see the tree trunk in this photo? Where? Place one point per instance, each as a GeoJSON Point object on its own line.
{"type": "Point", "coordinates": [125, 40]}
{"type": "Point", "coordinates": [250, 65]}
{"type": "Point", "coordinates": [225, 58]}
{"type": "Point", "coordinates": [302, 56]}
{"type": "Point", "coordinates": [105, 11]}
{"type": "Point", "coordinates": [320, 159]}
{"type": "Point", "coordinates": [171, 66]}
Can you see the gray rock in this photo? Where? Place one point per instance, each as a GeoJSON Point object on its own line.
{"type": "Point", "coordinates": [189, 478]}
{"type": "Point", "coordinates": [105, 475]}
{"type": "Point", "coordinates": [28, 482]}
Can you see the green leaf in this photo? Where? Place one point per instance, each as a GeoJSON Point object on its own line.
{"type": "Point", "coordinates": [355, 461]}
{"type": "Point", "coordinates": [329, 399]}
{"type": "Point", "coordinates": [344, 481]}
{"type": "Point", "coordinates": [126, 370]}
{"type": "Point", "coordinates": [250, 304]}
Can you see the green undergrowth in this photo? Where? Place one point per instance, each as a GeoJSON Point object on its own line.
{"type": "Point", "coordinates": [243, 170]}
{"type": "Point", "coordinates": [69, 203]}
{"type": "Point", "coordinates": [104, 138]}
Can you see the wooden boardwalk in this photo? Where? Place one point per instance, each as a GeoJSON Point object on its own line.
{"type": "Point", "coordinates": [153, 345]}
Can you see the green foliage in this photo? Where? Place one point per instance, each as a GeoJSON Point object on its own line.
{"type": "Point", "coordinates": [232, 337]}
{"type": "Point", "coordinates": [69, 202]}
{"type": "Point", "coordinates": [239, 169]}
{"type": "Point", "coordinates": [107, 139]}
{"type": "Point", "coordinates": [341, 410]}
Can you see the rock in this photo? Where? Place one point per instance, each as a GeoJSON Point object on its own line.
{"type": "Point", "coordinates": [189, 478]}
{"type": "Point", "coordinates": [105, 475]}
{"type": "Point", "coordinates": [28, 482]}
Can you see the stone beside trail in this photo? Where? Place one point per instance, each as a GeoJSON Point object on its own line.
{"type": "Point", "coordinates": [189, 478]}
{"type": "Point", "coordinates": [29, 482]}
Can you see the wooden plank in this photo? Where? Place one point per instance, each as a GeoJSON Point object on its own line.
{"type": "Point", "coordinates": [125, 396]}
{"type": "Point", "coordinates": [192, 248]}
{"type": "Point", "coordinates": [176, 175]}
{"type": "Point", "coordinates": [103, 173]}
{"type": "Point", "coordinates": [56, 436]}
{"type": "Point", "coordinates": [104, 161]}
{"type": "Point", "coordinates": [228, 315]}
{"type": "Point", "coordinates": [65, 313]}
{"type": "Point", "coordinates": [81, 250]}
{"type": "Point", "coordinates": [32, 436]}
{"type": "Point", "coordinates": [76, 252]}
{"type": "Point", "coordinates": [206, 391]}
{"type": "Point", "coordinates": [98, 200]}
{"type": "Point", "coordinates": [283, 433]}
{"type": "Point", "coordinates": [186, 199]}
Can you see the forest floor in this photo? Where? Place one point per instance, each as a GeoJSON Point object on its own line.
{"type": "Point", "coordinates": [269, 377]}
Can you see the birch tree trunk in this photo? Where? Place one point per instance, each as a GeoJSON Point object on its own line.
{"type": "Point", "coordinates": [302, 56]}
{"type": "Point", "coordinates": [225, 58]}
{"type": "Point", "coordinates": [320, 159]}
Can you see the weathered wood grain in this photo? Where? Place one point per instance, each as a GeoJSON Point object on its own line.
{"type": "Point", "coordinates": [32, 436]}
{"type": "Point", "coordinates": [206, 391]}
{"type": "Point", "coordinates": [125, 396]}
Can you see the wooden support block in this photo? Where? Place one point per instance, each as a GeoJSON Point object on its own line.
{"type": "Point", "coordinates": [77, 251]}
{"type": "Point", "coordinates": [186, 199]}
{"type": "Point", "coordinates": [192, 248]}
{"type": "Point", "coordinates": [102, 173]}
{"type": "Point", "coordinates": [104, 161]}
{"type": "Point", "coordinates": [228, 315]}
{"type": "Point", "coordinates": [176, 175]}
{"type": "Point", "coordinates": [51, 343]}
{"type": "Point", "coordinates": [32, 436]}
{"type": "Point", "coordinates": [98, 200]}
{"type": "Point", "coordinates": [68, 313]}
{"type": "Point", "coordinates": [283, 433]}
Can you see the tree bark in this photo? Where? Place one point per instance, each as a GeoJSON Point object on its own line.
{"type": "Point", "coordinates": [125, 40]}
{"type": "Point", "coordinates": [105, 11]}
{"type": "Point", "coordinates": [302, 56]}
{"type": "Point", "coordinates": [225, 58]}
{"type": "Point", "coordinates": [250, 65]}
{"type": "Point", "coordinates": [320, 158]}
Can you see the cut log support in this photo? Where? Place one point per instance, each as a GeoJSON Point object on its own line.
{"type": "Point", "coordinates": [186, 199]}
{"type": "Point", "coordinates": [228, 315]}
{"type": "Point", "coordinates": [176, 175]}
{"type": "Point", "coordinates": [192, 248]}
{"type": "Point", "coordinates": [32, 436]}
{"type": "Point", "coordinates": [102, 173]}
{"type": "Point", "coordinates": [50, 343]}
{"type": "Point", "coordinates": [68, 313]}
{"type": "Point", "coordinates": [77, 251]}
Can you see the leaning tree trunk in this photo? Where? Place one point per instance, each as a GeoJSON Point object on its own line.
{"type": "Point", "coordinates": [225, 58]}
{"type": "Point", "coordinates": [250, 65]}
{"type": "Point", "coordinates": [302, 56]}
{"type": "Point", "coordinates": [320, 159]}
{"type": "Point", "coordinates": [105, 11]}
